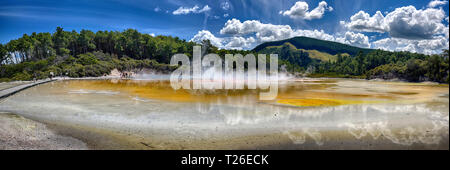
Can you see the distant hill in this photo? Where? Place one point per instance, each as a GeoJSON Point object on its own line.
{"type": "Point", "coordinates": [313, 54]}
{"type": "Point", "coordinates": [305, 43]}
{"type": "Point", "coordinates": [298, 53]}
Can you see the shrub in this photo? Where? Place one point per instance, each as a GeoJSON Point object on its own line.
{"type": "Point", "coordinates": [22, 76]}
{"type": "Point", "coordinates": [87, 59]}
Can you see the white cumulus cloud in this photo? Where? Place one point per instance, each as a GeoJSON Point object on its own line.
{"type": "Point", "coordinates": [404, 22]}
{"type": "Point", "coordinates": [300, 10]}
{"type": "Point", "coordinates": [362, 21]}
{"type": "Point", "coordinates": [436, 3]}
{"type": "Point", "coordinates": [236, 42]}
{"type": "Point", "coordinates": [355, 39]}
{"type": "Point", "coordinates": [240, 43]}
{"type": "Point", "coordinates": [207, 35]}
{"type": "Point", "coordinates": [410, 23]}
{"type": "Point", "coordinates": [195, 10]}
{"type": "Point", "coordinates": [313, 34]}
{"type": "Point", "coordinates": [433, 46]}
{"type": "Point", "coordinates": [268, 32]}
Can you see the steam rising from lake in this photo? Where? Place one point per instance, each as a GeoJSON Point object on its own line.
{"type": "Point", "coordinates": [208, 73]}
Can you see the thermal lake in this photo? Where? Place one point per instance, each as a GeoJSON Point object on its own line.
{"type": "Point", "coordinates": [307, 114]}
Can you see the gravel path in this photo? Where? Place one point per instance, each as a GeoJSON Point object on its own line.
{"type": "Point", "coordinates": [14, 89]}
{"type": "Point", "coordinates": [7, 85]}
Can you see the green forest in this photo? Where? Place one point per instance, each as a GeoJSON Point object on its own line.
{"type": "Point", "coordinates": [73, 54]}
{"type": "Point", "coordinates": [354, 62]}
{"type": "Point", "coordinates": [390, 65]}
{"type": "Point", "coordinates": [89, 54]}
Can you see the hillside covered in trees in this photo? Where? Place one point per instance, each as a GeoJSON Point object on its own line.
{"type": "Point", "coordinates": [319, 58]}
{"type": "Point", "coordinates": [307, 43]}
{"type": "Point", "coordinates": [390, 65]}
{"type": "Point", "coordinates": [85, 53]}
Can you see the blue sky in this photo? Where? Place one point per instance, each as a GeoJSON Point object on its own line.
{"type": "Point", "coordinates": [267, 20]}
